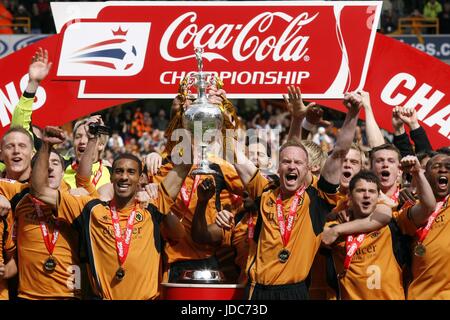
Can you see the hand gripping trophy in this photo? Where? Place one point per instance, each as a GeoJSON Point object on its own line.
{"type": "Point", "coordinates": [201, 113]}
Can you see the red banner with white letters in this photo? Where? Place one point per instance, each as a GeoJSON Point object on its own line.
{"type": "Point", "coordinates": [116, 52]}
{"type": "Point", "coordinates": [402, 75]}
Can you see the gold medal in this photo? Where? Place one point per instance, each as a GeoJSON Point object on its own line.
{"type": "Point", "coordinates": [120, 274]}
{"type": "Point", "coordinates": [283, 256]}
{"type": "Point", "coordinates": [419, 250]}
{"type": "Point", "coordinates": [287, 226]}
{"type": "Point", "coordinates": [50, 264]}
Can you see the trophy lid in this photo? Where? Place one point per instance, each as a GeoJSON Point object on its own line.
{"type": "Point", "coordinates": [198, 55]}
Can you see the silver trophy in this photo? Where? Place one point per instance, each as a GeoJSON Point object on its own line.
{"type": "Point", "coordinates": [201, 111]}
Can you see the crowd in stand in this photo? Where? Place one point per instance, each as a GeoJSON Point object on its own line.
{"type": "Point", "coordinates": [38, 11]}
{"type": "Point", "coordinates": [428, 9]}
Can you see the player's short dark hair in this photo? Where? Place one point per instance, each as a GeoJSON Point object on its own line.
{"type": "Point", "coordinates": [365, 175]}
{"type": "Point", "coordinates": [427, 153]}
{"type": "Point", "coordinates": [431, 161]}
{"type": "Point", "coordinates": [52, 150]}
{"type": "Point", "coordinates": [444, 150]}
{"type": "Point", "coordinates": [130, 157]}
{"type": "Point", "coordinates": [385, 146]}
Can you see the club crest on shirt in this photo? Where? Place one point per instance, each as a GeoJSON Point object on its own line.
{"type": "Point", "coordinates": [438, 220]}
{"type": "Point", "coordinates": [300, 201]}
{"type": "Point", "coordinates": [375, 234]}
{"type": "Point", "coordinates": [139, 217]}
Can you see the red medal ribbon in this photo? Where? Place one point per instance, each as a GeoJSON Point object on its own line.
{"type": "Point", "coordinates": [423, 231]}
{"type": "Point", "coordinates": [98, 174]}
{"type": "Point", "coordinates": [122, 243]}
{"type": "Point", "coordinates": [236, 199]}
{"type": "Point", "coordinates": [352, 244]}
{"type": "Point", "coordinates": [251, 226]}
{"type": "Point", "coordinates": [49, 243]}
{"type": "Point", "coordinates": [396, 195]}
{"type": "Point", "coordinates": [184, 194]}
{"type": "Point", "coordinates": [408, 203]}
{"type": "Point", "coordinates": [285, 230]}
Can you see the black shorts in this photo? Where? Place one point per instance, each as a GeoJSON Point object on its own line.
{"type": "Point", "coordinates": [294, 291]}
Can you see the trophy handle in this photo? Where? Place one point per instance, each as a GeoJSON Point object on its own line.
{"type": "Point", "coordinates": [217, 82]}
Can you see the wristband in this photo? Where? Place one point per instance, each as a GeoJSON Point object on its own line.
{"type": "Point", "coordinates": [29, 95]}
{"type": "Point", "coordinates": [307, 125]}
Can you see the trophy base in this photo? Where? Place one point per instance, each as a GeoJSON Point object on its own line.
{"type": "Point", "coordinates": [203, 172]}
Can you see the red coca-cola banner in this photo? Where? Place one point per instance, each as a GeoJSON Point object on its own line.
{"type": "Point", "coordinates": [108, 53]}
{"type": "Point", "coordinates": [148, 49]}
